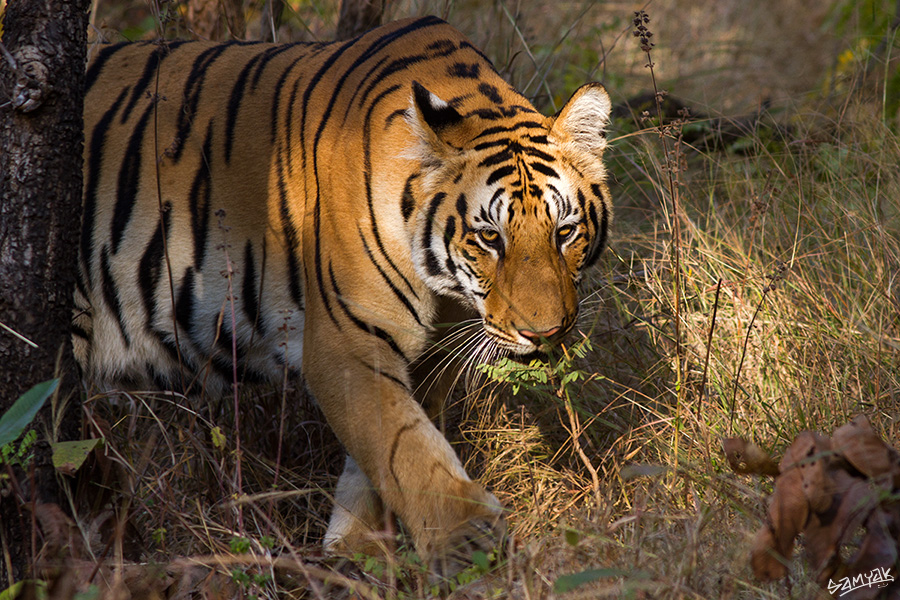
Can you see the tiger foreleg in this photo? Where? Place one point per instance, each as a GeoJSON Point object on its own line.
{"type": "Point", "coordinates": [398, 452]}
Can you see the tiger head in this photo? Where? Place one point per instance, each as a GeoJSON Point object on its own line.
{"type": "Point", "coordinates": [513, 210]}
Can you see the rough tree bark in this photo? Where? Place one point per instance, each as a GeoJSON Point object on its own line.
{"type": "Point", "coordinates": [42, 54]}
{"type": "Point", "coordinates": [358, 17]}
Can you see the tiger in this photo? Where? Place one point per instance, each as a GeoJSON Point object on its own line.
{"type": "Point", "coordinates": [350, 188]}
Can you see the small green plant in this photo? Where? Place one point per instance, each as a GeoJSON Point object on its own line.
{"type": "Point", "coordinates": [18, 454]}
{"type": "Point", "coordinates": [15, 420]}
{"type": "Point", "coordinates": [244, 577]}
{"type": "Point", "coordinates": [539, 375]}
{"type": "Point", "coordinates": [239, 545]}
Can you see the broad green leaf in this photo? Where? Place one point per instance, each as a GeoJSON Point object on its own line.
{"type": "Point", "coordinates": [567, 583]}
{"type": "Point", "coordinates": [69, 456]}
{"type": "Point", "coordinates": [22, 412]}
{"type": "Point", "coordinates": [481, 560]}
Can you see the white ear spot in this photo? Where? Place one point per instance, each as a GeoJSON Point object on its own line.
{"type": "Point", "coordinates": [582, 121]}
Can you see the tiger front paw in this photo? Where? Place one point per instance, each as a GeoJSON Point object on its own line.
{"type": "Point", "coordinates": [485, 534]}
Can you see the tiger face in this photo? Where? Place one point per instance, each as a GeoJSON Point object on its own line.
{"type": "Point", "coordinates": [512, 215]}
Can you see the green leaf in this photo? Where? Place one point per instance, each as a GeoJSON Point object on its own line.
{"type": "Point", "coordinates": [69, 456]}
{"type": "Point", "coordinates": [92, 593]}
{"type": "Point", "coordinates": [567, 583]}
{"type": "Point", "coordinates": [218, 438]}
{"type": "Point", "coordinates": [22, 412]}
{"type": "Point", "coordinates": [481, 560]}
{"type": "Point", "coordinates": [572, 537]}
{"type": "Point", "coordinates": [36, 587]}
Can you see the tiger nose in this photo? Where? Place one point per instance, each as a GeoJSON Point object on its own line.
{"type": "Point", "coordinates": [536, 337]}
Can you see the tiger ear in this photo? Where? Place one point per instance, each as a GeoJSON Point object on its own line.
{"type": "Point", "coordinates": [582, 121]}
{"type": "Point", "coordinates": [435, 123]}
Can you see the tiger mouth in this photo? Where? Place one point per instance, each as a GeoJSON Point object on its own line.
{"type": "Point", "coordinates": [511, 342]}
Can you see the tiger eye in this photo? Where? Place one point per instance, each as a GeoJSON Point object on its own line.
{"type": "Point", "coordinates": [489, 236]}
{"type": "Point", "coordinates": [564, 232]}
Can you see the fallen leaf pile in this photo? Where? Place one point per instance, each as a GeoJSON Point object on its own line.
{"type": "Point", "coordinates": [843, 494]}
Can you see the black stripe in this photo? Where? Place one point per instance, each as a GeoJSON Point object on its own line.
{"type": "Point", "coordinates": [199, 200]}
{"type": "Point", "coordinates": [290, 237]}
{"type": "Point", "coordinates": [110, 294]}
{"type": "Point", "coordinates": [395, 445]}
{"type": "Point", "coordinates": [362, 325]}
{"type": "Point", "coordinates": [504, 155]}
{"type": "Point", "coordinates": [154, 60]}
{"type": "Point", "coordinates": [544, 169]}
{"type": "Point", "coordinates": [508, 128]}
{"type": "Point", "coordinates": [289, 128]}
{"type": "Point", "coordinates": [462, 208]}
{"type": "Point", "coordinates": [400, 296]}
{"type": "Point", "coordinates": [234, 104]}
{"type": "Point", "coordinates": [441, 48]}
{"type": "Point", "coordinates": [499, 113]}
{"type": "Point", "coordinates": [267, 56]}
{"type": "Point", "coordinates": [94, 164]}
{"type": "Point", "coordinates": [601, 227]}
{"type": "Point", "coordinates": [367, 178]}
{"type": "Point", "coordinates": [464, 70]}
{"type": "Point", "coordinates": [500, 173]}
{"type": "Point", "coordinates": [392, 378]}
{"type": "Point", "coordinates": [129, 180]}
{"type": "Point", "coordinates": [433, 206]}
{"type": "Point", "coordinates": [232, 353]}
{"type": "Point", "coordinates": [192, 90]}
{"type": "Point", "coordinates": [106, 52]}
{"type": "Point", "coordinates": [79, 332]}
{"type": "Point", "coordinates": [535, 153]}
{"type": "Point", "coordinates": [491, 93]}
{"type": "Point", "coordinates": [449, 232]}
{"type": "Point", "coordinates": [184, 305]}
{"type": "Point", "coordinates": [276, 99]}
{"type": "Point", "coordinates": [407, 202]}
{"type": "Point", "coordinates": [396, 66]}
{"type": "Point", "coordinates": [464, 45]}
{"type": "Point", "coordinates": [432, 266]}
{"type": "Point", "coordinates": [368, 90]}
{"type": "Point", "coordinates": [150, 267]}
{"type": "Point", "coordinates": [250, 292]}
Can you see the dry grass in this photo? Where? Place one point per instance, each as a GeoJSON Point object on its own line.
{"type": "Point", "coordinates": [786, 297]}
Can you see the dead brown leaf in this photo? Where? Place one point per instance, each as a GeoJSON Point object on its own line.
{"type": "Point", "coordinates": [860, 445]}
{"type": "Point", "coordinates": [747, 458]}
{"type": "Point", "coordinates": [766, 564]}
{"type": "Point", "coordinates": [832, 491]}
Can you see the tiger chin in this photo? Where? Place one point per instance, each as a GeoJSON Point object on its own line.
{"type": "Point", "coordinates": [345, 189]}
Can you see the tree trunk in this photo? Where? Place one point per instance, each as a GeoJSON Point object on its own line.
{"type": "Point", "coordinates": [42, 56]}
{"type": "Point", "coordinates": [358, 17]}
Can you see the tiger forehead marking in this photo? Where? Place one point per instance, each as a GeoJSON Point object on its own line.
{"type": "Point", "coordinates": [345, 187]}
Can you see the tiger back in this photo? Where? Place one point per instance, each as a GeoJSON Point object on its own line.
{"type": "Point", "coordinates": [251, 208]}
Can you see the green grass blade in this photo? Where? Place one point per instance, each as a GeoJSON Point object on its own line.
{"type": "Point", "coordinates": [22, 412]}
